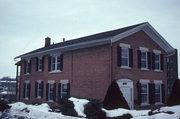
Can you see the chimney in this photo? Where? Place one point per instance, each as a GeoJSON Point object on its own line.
{"type": "Point", "coordinates": [63, 39]}
{"type": "Point", "coordinates": [47, 41]}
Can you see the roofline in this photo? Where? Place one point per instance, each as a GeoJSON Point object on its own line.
{"type": "Point", "coordinates": [151, 32]}
{"type": "Point", "coordinates": [69, 48]}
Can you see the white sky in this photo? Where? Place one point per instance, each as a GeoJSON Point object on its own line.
{"type": "Point", "coordinates": [25, 23]}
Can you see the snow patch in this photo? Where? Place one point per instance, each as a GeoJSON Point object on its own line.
{"type": "Point", "coordinates": [79, 105]}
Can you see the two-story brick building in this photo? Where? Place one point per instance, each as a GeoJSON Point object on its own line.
{"type": "Point", "coordinates": [134, 56]}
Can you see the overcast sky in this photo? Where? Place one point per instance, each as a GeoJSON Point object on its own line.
{"type": "Point", "coordinates": [25, 23]}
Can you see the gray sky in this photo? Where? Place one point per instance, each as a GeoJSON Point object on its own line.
{"type": "Point", "coordinates": [25, 23]}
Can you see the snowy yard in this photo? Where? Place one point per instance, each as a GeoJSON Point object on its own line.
{"type": "Point", "coordinates": [43, 111]}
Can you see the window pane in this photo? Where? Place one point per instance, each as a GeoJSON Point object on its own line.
{"type": "Point", "coordinates": [144, 93]}
{"type": "Point", "coordinates": [158, 92]}
{"type": "Point", "coordinates": [124, 56]}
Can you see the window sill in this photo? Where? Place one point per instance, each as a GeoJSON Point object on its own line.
{"type": "Point", "coordinates": [27, 74]}
{"type": "Point", "coordinates": [26, 98]}
{"type": "Point", "coordinates": [145, 104]}
{"type": "Point", "coordinates": [157, 70]}
{"type": "Point", "coordinates": [158, 103]}
{"type": "Point", "coordinates": [144, 69]}
{"type": "Point", "coordinates": [50, 101]}
{"type": "Point", "coordinates": [38, 97]}
{"type": "Point", "coordinates": [125, 67]}
{"type": "Point", "coordinates": [55, 71]}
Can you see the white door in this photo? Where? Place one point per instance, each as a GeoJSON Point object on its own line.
{"type": "Point", "coordinates": [126, 87]}
{"type": "Point", "coordinates": [127, 93]}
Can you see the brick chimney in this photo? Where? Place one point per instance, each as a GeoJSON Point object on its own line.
{"type": "Point", "coordinates": [47, 41]}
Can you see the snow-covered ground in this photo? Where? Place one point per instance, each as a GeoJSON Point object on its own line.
{"type": "Point", "coordinates": [43, 111]}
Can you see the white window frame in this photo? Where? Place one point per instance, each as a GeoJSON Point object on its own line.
{"type": "Point", "coordinates": [157, 52]}
{"type": "Point", "coordinates": [56, 63]}
{"type": "Point", "coordinates": [125, 46]}
{"type": "Point", "coordinates": [145, 82]}
{"type": "Point", "coordinates": [40, 64]}
{"type": "Point", "coordinates": [39, 89]}
{"type": "Point", "coordinates": [63, 82]}
{"type": "Point", "coordinates": [27, 66]}
{"type": "Point", "coordinates": [144, 60]}
{"type": "Point", "coordinates": [27, 82]}
{"type": "Point", "coordinates": [50, 82]}
{"type": "Point", "coordinates": [158, 82]}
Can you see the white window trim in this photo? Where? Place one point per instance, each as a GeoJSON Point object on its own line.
{"type": "Point", "coordinates": [39, 82]}
{"type": "Point", "coordinates": [145, 81]}
{"type": "Point", "coordinates": [158, 53]}
{"type": "Point", "coordinates": [39, 58]}
{"type": "Point", "coordinates": [143, 49]}
{"type": "Point", "coordinates": [159, 103]}
{"type": "Point", "coordinates": [127, 58]}
{"type": "Point", "coordinates": [145, 68]}
{"type": "Point", "coordinates": [56, 57]}
{"type": "Point", "coordinates": [26, 95]}
{"type": "Point", "coordinates": [27, 66]}
{"type": "Point", "coordinates": [125, 45]}
{"type": "Point", "coordinates": [50, 83]}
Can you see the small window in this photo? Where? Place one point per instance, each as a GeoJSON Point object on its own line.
{"type": "Point", "coordinates": [157, 62]}
{"type": "Point", "coordinates": [64, 90]}
{"type": "Point", "coordinates": [26, 90]}
{"type": "Point", "coordinates": [51, 92]}
{"type": "Point", "coordinates": [124, 56]}
{"type": "Point", "coordinates": [158, 96]}
{"type": "Point", "coordinates": [144, 94]}
{"type": "Point", "coordinates": [27, 67]}
{"type": "Point", "coordinates": [144, 63]}
{"type": "Point", "coordinates": [40, 65]}
{"type": "Point", "coordinates": [55, 64]}
{"type": "Point", "coordinates": [39, 89]}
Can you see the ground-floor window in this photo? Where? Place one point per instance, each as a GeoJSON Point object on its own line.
{"type": "Point", "coordinates": [64, 88]}
{"type": "Point", "coordinates": [144, 94]}
{"type": "Point", "coordinates": [39, 89]}
{"type": "Point", "coordinates": [27, 89]}
{"type": "Point", "coordinates": [158, 93]}
{"type": "Point", "coordinates": [51, 91]}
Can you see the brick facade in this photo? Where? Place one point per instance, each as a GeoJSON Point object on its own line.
{"type": "Point", "coordinates": [91, 70]}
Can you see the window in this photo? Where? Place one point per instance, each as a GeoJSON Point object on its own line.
{"type": "Point", "coordinates": [55, 64]}
{"type": "Point", "coordinates": [157, 61]}
{"type": "Point", "coordinates": [51, 91]}
{"type": "Point", "coordinates": [39, 64]}
{"type": "Point", "coordinates": [64, 90]}
{"type": "Point", "coordinates": [27, 67]}
{"type": "Point", "coordinates": [39, 89]}
{"type": "Point", "coordinates": [27, 90]}
{"type": "Point", "coordinates": [124, 56]}
{"type": "Point", "coordinates": [158, 96]}
{"type": "Point", "coordinates": [144, 63]}
{"type": "Point", "coordinates": [144, 94]}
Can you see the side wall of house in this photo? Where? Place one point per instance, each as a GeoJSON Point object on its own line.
{"type": "Point", "coordinates": [87, 70]}
{"type": "Point", "coordinates": [139, 39]}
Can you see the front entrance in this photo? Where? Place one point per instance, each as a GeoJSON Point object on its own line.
{"type": "Point", "coordinates": [126, 87]}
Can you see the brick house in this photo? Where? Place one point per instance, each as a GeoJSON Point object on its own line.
{"type": "Point", "coordinates": [135, 56]}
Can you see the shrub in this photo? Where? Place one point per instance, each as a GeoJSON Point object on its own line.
{"type": "Point", "coordinates": [174, 98]}
{"type": "Point", "coordinates": [114, 98]}
{"type": "Point", "coordinates": [3, 105]}
{"type": "Point", "coordinates": [93, 109]}
{"type": "Point", "coordinates": [67, 107]}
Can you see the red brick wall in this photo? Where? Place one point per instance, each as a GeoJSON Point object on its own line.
{"type": "Point", "coordinates": [139, 39]}
{"type": "Point", "coordinates": [90, 70]}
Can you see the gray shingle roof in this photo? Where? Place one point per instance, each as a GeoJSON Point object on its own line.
{"type": "Point", "coordinates": [93, 37]}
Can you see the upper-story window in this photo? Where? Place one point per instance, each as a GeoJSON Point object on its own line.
{"type": "Point", "coordinates": [157, 60]}
{"type": "Point", "coordinates": [39, 64]}
{"type": "Point", "coordinates": [144, 59]}
{"type": "Point", "coordinates": [55, 63]}
{"type": "Point", "coordinates": [124, 56]}
{"type": "Point", "coordinates": [144, 63]}
{"type": "Point", "coordinates": [27, 67]}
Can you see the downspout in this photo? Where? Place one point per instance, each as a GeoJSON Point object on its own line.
{"type": "Point", "coordinates": [111, 61]}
